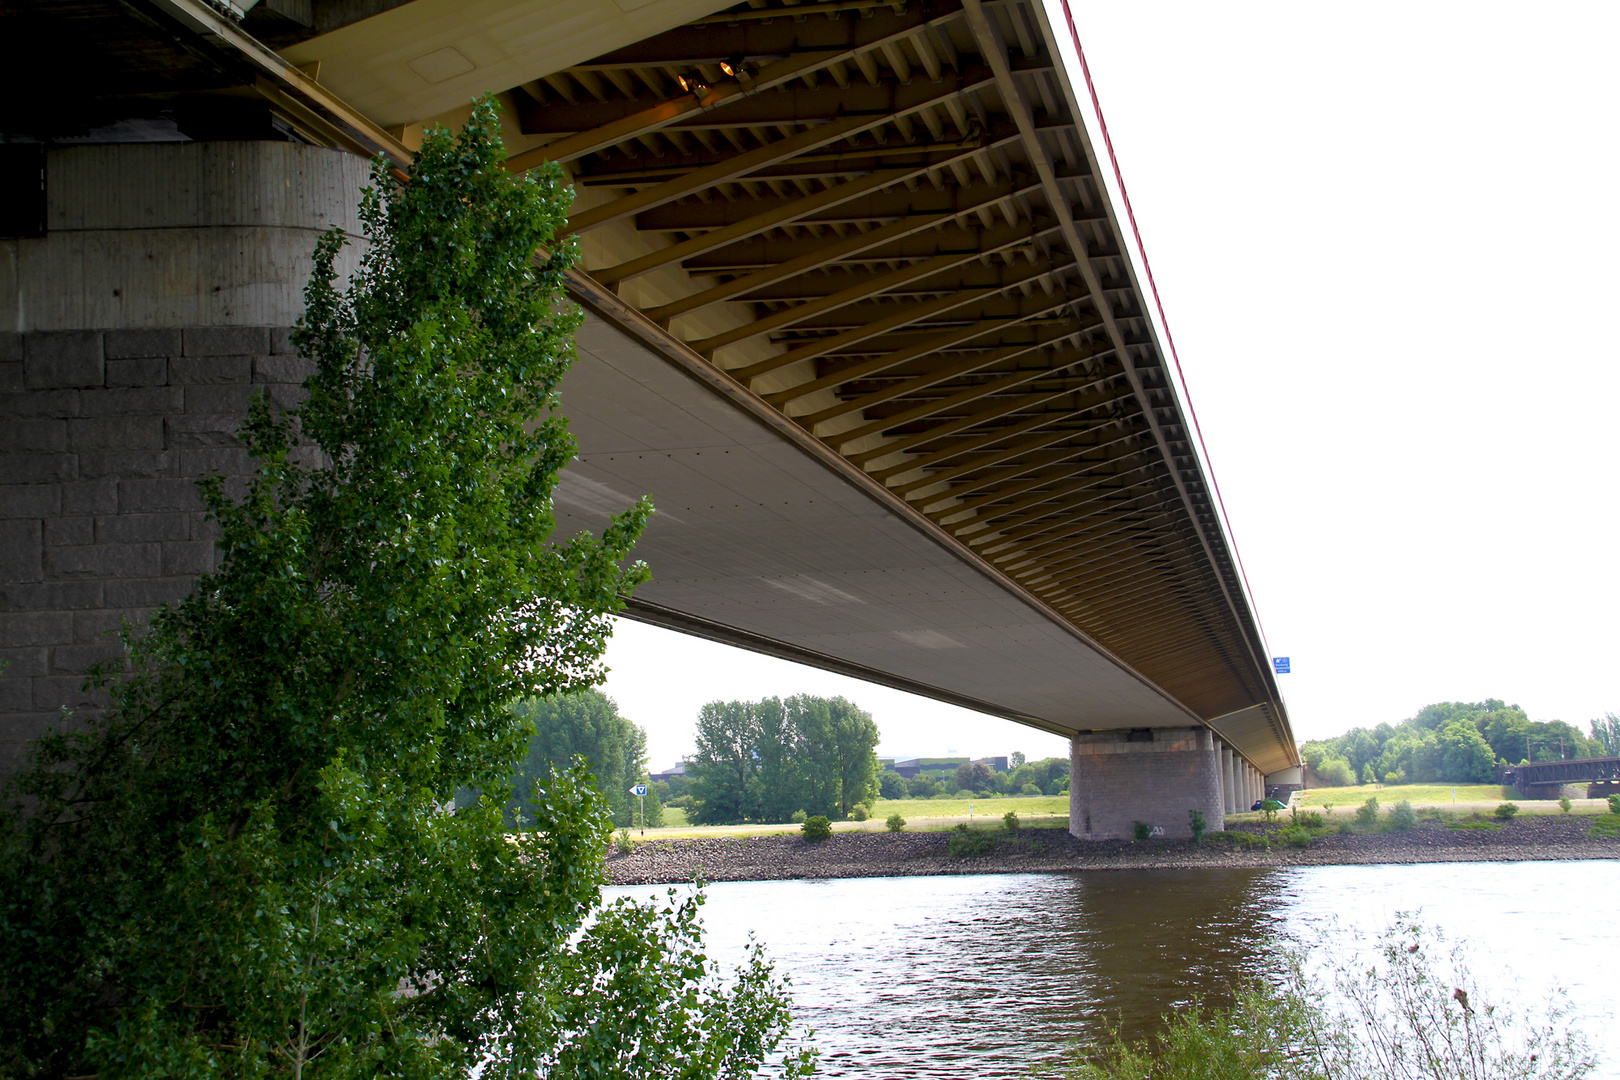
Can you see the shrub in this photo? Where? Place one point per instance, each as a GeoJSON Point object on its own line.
{"type": "Point", "coordinates": [1607, 827]}
{"type": "Point", "coordinates": [1141, 830]}
{"type": "Point", "coordinates": [1402, 817]}
{"type": "Point", "coordinates": [1335, 772]}
{"type": "Point", "coordinates": [798, 817]}
{"type": "Point", "coordinates": [816, 829]}
{"type": "Point", "coordinates": [1564, 804]}
{"type": "Point", "coordinates": [627, 846]}
{"type": "Point", "coordinates": [1367, 812]}
{"type": "Point", "coordinates": [859, 812]}
{"type": "Point", "coordinates": [966, 843]}
{"type": "Point", "coordinates": [1345, 829]}
{"type": "Point", "coordinates": [1009, 821]}
{"type": "Point", "coordinates": [1196, 822]}
{"type": "Point", "coordinates": [1029, 789]}
{"type": "Point", "coordinates": [1294, 836]}
{"type": "Point", "coordinates": [1417, 1011]}
{"type": "Point", "coordinates": [895, 823]}
{"type": "Point", "coordinates": [1506, 811]}
{"type": "Point", "coordinates": [1614, 804]}
{"type": "Point", "coordinates": [941, 796]}
{"type": "Point", "coordinates": [1309, 820]}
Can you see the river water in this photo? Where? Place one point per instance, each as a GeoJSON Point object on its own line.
{"type": "Point", "coordinates": [996, 975]}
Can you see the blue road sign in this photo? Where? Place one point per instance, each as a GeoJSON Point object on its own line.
{"type": "Point", "coordinates": [1281, 664]}
{"type": "Point", "coordinates": [639, 789]}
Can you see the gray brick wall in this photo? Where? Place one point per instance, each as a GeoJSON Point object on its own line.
{"type": "Point", "coordinates": [1153, 776]}
{"type": "Point", "coordinates": [103, 435]}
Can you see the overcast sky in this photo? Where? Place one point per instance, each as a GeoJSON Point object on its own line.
{"type": "Point", "coordinates": [1386, 238]}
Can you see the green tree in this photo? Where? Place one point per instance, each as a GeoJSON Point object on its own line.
{"type": "Point", "coordinates": [1015, 759]}
{"type": "Point", "coordinates": [1465, 756]}
{"type": "Point", "coordinates": [855, 738]}
{"type": "Point", "coordinates": [973, 776]}
{"type": "Point", "coordinates": [1606, 736]}
{"type": "Point", "coordinates": [244, 866]}
{"type": "Point", "coordinates": [585, 724]}
{"type": "Point", "coordinates": [891, 785]}
{"type": "Point", "coordinates": [725, 765]}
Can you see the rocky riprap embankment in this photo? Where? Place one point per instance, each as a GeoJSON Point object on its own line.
{"type": "Point", "coordinates": [860, 854]}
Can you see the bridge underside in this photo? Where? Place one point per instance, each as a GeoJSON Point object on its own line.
{"type": "Point", "coordinates": [864, 323]}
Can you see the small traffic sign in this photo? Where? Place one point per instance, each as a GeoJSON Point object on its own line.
{"type": "Point", "coordinates": [1281, 664]}
{"type": "Point", "coordinates": [639, 789]}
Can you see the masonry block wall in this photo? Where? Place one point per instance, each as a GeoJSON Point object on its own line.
{"type": "Point", "coordinates": [1154, 776]}
{"type": "Point", "coordinates": [103, 436]}
{"type": "Point", "coordinates": [132, 335]}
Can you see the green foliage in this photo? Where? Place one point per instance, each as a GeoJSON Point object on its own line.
{"type": "Point", "coordinates": [760, 760]}
{"type": "Point", "coordinates": [974, 776]}
{"type": "Point", "coordinates": [924, 787]}
{"type": "Point", "coordinates": [1614, 804]}
{"type": "Point", "coordinates": [583, 724]}
{"type": "Point", "coordinates": [966, 843]}
{"type": "Point", "coordinates": [1270, 808]}
{"type": "Point", "coordinates": [248, 866]}
{"type": "Point", "coordinates": [1606, 736]}
{"type": "Point", "coordinates": [1416, 1012]}
{"type": "Point", "coordinates": [1368, 776]}
{"type": "Point", "coordinates": [1367, 812]}
{"type": "Point", "coordinates": [1198, 825]}
{"type": "Point", "coordinates": [1607, 826]}
{"type": "Point", "coordinates": [1402, 817]}
{"type": "Point", "coordinates": [895, 823]}
{"type": "Point", "coordinates": [859, 812]}
{"type": "Point", "coordinates": [1140, 830]}
{"type": "Point", "coordinates": [1449, 742]}
{"type": "Point", "coordinates": [891, 785]}
{"type": "Point", "coordinates": [1294, 836]}
{"type": "Point", "coordinates": [1564, 805]}
{"type": "Point", "coordinates": [816, 828]}
{"type": "Point", "coordinates": [1009, 821]}
{"type": "Point", "coordinates": [1310, 819]}
{"type": "Point", "coordinates": [1506, 811]}
{"type": "Point", "coordinates": [1345, 829]}
{"type": "Point", "coordinates": [1029, 790]}
{"type": "Point", "coordinates": [1016, 759]}
{"type": "Point", "coordinates": [798, 817]}
{"type": "Point", "coordinates": [1474, 826]}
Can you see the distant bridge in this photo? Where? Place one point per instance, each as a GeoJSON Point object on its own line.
{"type": "Point", "coordinates": [1543, 779]}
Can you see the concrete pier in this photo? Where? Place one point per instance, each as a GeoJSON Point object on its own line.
{"type": "Point", "coordinates": [1153, 776]}
{"type": "Point", "coordinates": [132, 335]}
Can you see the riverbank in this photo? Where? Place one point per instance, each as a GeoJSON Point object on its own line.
{"type": "Point", "coordinates": [907, 854]}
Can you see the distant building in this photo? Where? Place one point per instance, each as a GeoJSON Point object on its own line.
{"type": "Point", "coordinates": [937, 767]}
{"type": "Point", "coordinates": [678, 769]}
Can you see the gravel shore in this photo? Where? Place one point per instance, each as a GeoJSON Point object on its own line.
{"type": "Point", "coordinates": [768, 858]}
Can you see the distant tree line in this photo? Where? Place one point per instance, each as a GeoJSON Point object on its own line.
{"type": "Point", "coordinates": [1452, 742]}
{"type": "Point", "coordinates": [765, 761]}
{"type": "Point", "coordinates": [1049, 776]}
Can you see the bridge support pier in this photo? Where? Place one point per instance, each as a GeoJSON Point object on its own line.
{"type": "Point", "coordinates": [1155, 776]}
{"type": "Point", "coordinates": [132, 335]}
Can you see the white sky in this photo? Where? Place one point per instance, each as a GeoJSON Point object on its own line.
{"type": "Point", "coordinates": [1385, 235]}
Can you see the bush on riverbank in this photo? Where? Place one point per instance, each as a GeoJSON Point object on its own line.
{"type": "Point", "coordinates": [816, 829]}
{"type": "Point", "coordinates": [966, 843]}
{"type": "Point", "coordinates": [1415, 1013]}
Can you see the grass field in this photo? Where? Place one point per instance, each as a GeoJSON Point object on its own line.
{"type": "Point", "coordinates": [1022, 805]}
{"type": "Point", "coordinates": [922, 815]}
{"type": "Point", "coordinates": [1416, 794]}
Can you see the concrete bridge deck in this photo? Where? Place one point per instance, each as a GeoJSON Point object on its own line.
{"type": "Point", "coordinates": [863, 321]}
